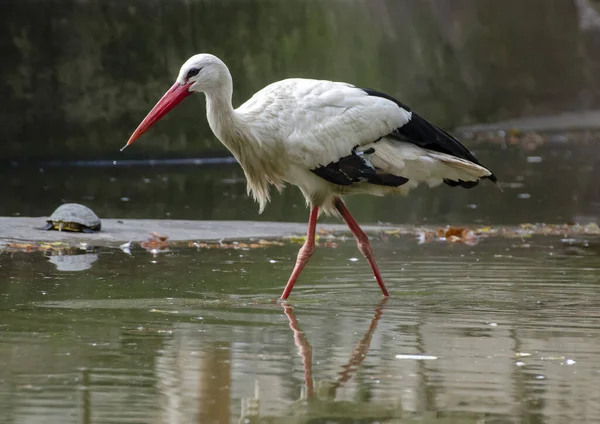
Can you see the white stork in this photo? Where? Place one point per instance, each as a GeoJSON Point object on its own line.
{"type": "Point", "coordinates": [328, 138]}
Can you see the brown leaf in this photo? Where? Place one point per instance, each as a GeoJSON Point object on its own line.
{"type": "Point", "coordinates": [270, 242]}
{"type": "Point", "coordinates": [455, 232]}
{"type": "Point", "coordinates": [25, 247]}
{"type": "Point", "coordinates": [155, 242]}
{"type": "Point", "coordinates": [160, 237]}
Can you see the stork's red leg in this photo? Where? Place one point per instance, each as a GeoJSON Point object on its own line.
{"type": "Point", "coordinates": [306, 251]}
{"type": "Point", "coordinates": [362, 240]}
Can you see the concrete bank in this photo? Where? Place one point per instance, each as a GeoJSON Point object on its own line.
{"type": "Point", "coordinates": [117, 231]}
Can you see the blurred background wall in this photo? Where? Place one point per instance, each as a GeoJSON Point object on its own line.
{"type": "Point", "coordinates": [78, 75]}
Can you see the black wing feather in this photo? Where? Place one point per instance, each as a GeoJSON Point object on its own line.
{"type": "Point", "coordinates": [424, 134]}
{"type": "Point", "coordinates": [355, 168]}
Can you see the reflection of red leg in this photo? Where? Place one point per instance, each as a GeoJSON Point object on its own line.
{"type": "Point", "coordinates": [304, 349]}
{"type": "Point", "coordinates": [362, 347]}
{"type": "Point", "coordinates": [363, 242]}
{"type": "Point", "coordinates": [304, 254]}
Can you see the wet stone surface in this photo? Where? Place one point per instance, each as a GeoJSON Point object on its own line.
{"type": "Point", "coordinates": [117, 231]}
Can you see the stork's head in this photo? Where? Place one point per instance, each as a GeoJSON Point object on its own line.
{"type": "Point", "coordinates": [203, 72]}
{"type": "Point", "coordinates": [200, 73]}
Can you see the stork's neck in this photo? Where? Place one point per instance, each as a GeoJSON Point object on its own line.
{"type": "Point", "coordinates": [235, 132]}
{"type": "Point", "coordinates": [222, 118]}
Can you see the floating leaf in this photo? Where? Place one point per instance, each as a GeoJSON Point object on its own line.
{"type": "Point", "coordinates": [297, 239]}
{"type": "Point", "coordinates": [454, 232]}
{"type": "Point", "coordinates": [26, 247]}
{"type": "Point", "coordinates": [270, 242]}
{"type": "Point", "coordinates": [394, 232]}
{"type": "Point", "coordinates": [156, 242]}
{"type": "Point", "coordinates": [234, 245]}
{"type": "Point", "coordinates": [158, 236]}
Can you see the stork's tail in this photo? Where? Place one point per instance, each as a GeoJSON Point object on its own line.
{"type": "Point", "coordinates": [468, 173]}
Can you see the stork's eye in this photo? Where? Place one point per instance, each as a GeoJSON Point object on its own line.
{"type": "Point", "coordinates": [193, 72]}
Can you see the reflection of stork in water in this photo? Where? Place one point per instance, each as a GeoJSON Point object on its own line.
{"type": "Point", "coordinates": [320, 402]}
{"type": "Point", "coordinates": [358, 354]}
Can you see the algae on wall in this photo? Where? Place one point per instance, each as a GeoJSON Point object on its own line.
{"type": "Point", "coordinates": [80, 75]}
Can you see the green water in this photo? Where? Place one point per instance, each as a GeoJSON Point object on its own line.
{"type": "Point", "coordinates": [500, 332]}
{"type": "Point", "coordinates": [554, 183]}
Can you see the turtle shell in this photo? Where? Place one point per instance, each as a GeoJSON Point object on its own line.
{"type": "Point", "coordinates": [74, 217]}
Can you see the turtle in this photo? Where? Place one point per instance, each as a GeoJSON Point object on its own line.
{"type": "Point", "coordinates": [73, 217]}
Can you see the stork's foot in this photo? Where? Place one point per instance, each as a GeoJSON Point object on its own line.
{"type": "Point", "coordinates": [362, 240]}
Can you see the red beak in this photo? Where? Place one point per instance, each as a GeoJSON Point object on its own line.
{"type": "Point", "coordinates": [170, 99]}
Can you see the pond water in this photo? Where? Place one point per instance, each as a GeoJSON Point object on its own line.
{"type": "Point", "coordinates": [500, 332]}
{"type": "Point", "coordinates": [553, 183]}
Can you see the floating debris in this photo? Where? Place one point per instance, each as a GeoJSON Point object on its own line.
{"type": "Point", "coordinates": [471, 235]}
{"type": "Point", "coordinates": [35, 247]}
{"type": "Point", "coordinates": [235, 245]}
{"type": "Point", "coordinates": [329, 234]}
{"type": "Point", "coordinates": [156, 243]}
{"type": "Point", "coordinates": [417, 357]}
{"type": "Point", "coordinates": [570, 234]}
{"type": "Point", "coordinates": [22, 247]}
{"type": "Point", "coordinates": [301, 239]}
{"type": "Point", "coordinates": [126, 247]}
{"type": "Point", "coordinates": [163, 311]}
{"type": "Point", "coordinates": [326, 232]}
{"type": "Point", "coordinates": [451, 234]}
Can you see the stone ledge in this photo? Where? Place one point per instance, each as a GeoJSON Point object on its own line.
{"type": "Point", "coordinates": [118, 231]}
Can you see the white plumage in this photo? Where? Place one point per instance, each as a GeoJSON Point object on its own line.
{"type": "Point", "coordinates": [328, 138]}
